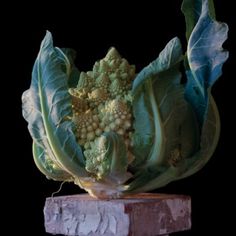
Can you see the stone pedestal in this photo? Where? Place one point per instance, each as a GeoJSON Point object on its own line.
{"type": "Point", "coordinates": [138, 215]}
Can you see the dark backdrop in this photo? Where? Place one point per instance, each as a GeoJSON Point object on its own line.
{"type": "Point", "coordinates": [139, 31]}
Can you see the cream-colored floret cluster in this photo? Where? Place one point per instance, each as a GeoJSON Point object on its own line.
{"type": "Point", "coordinates": [102, 101]}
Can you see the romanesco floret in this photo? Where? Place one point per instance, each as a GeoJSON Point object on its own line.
{"type": "Point", "coordinates": [85, 82]}
{"type": "Point", "coordinates": [95, 158]}
{"type": "Point", "coordinates": [102, 103]}
{"type": "Point", "coordinates": [97, 97]}
{"type": "Point", "coordinates": [116, 116]}
{"type": "Point", "coordinates": [102, 81]}
{"type": "Point", "coordinates": [79, 104]}
{"type": "Point", "coordinates": [117, 88]}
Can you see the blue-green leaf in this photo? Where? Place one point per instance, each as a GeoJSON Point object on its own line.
{"type": "Point", "coordinates": [47, 108]}
{"type": "Point", "coordinates": [165, 119]}
{"type": "Point", "coordinates": [148, 180]}
{"type": "Point", "coordinates": [162, 116]}
{"type": "Point", "coordinates": [205, 57]}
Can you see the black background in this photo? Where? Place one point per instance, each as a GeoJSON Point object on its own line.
{"type": "Point", "coordinates": [139, 31]}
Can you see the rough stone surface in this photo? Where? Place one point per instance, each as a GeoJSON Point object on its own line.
{"type": "Point", "coordinates": [138, 215]}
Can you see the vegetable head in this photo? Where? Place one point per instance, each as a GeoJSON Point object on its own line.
{"type": "Point", "coordinates": [114, 132]}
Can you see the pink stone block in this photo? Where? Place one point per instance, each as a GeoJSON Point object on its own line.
{"type": "Point", "coordinates": [138, 215]}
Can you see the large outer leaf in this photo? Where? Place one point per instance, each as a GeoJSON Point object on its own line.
{"type": "Point", "coordinates": [205, 57]}
{"type": "Point", "coordinates": [149, 180]}
{"type": "Point", "coordinates": [149, 134]}
{"type": "Point", "coordinates": [160, 111]}
{"type": "Point", "coordinates": [47, 108]}
{"type": "Point", "coordinates": [33, 114]}
{"type": "Point", "coordinates": [171, 125]}
{"type": "Point", "coordinates": [189, 166]}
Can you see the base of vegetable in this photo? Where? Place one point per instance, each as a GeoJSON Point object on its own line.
{"type": "Point", "coordinates": [141, 214]}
